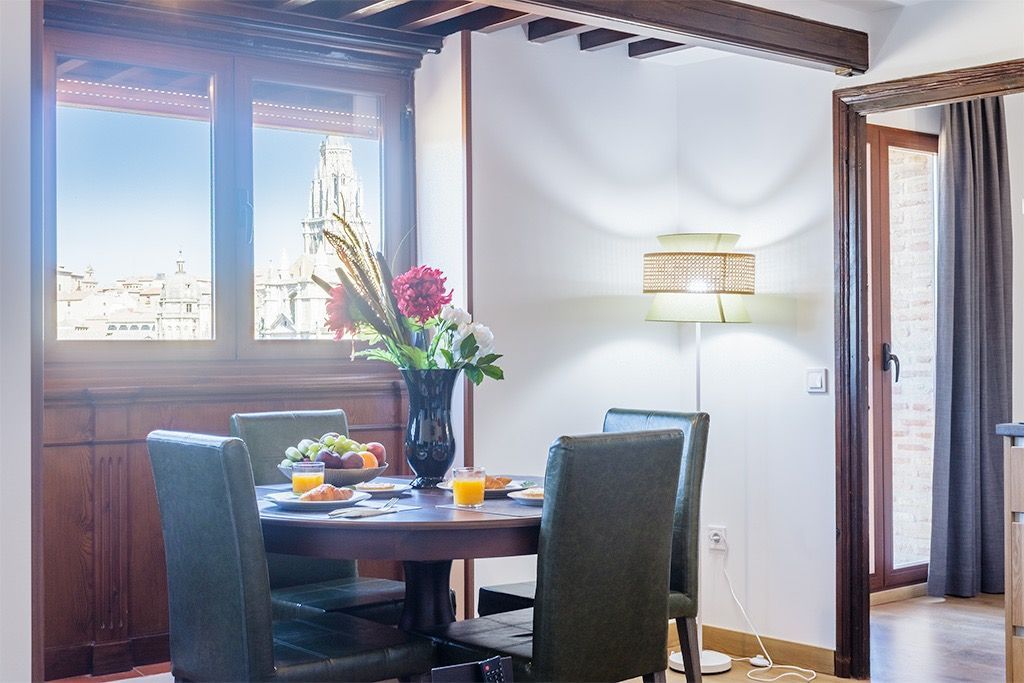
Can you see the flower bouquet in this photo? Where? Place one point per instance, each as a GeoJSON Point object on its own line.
{"type": "Point", "coordinates": [409, 321]}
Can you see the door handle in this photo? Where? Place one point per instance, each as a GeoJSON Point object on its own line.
{"type": "Point", "coordinates": [889, 359]}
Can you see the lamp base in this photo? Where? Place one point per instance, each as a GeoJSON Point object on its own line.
{"type": "Point", "coordinates": [711, 662]}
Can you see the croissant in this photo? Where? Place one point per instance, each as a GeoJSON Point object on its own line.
{"type": "Point", "coordinates": [326, 492]}
{"type": "Point", "coordinates": [497, 482]}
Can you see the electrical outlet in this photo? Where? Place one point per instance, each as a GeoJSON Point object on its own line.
{"type": "Point", "coordinates": [717, 539]}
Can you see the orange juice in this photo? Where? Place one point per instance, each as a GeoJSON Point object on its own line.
{"type": "Point", "coordinates": [304, 481]}
{"type": "Point", "coordinates": [468, 491]}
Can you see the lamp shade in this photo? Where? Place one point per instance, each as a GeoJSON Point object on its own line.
{"type": "Point", "coordinates": [698, 279]}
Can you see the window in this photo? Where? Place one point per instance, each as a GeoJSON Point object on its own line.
{"type": "Point", "coordinates": [902, 210]}
{"type": "Point", "coordinates": [188, 191]}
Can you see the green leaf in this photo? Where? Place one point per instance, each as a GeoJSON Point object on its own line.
{"type": "Point", "coordinates": [447, 355]}
{"type": "Point", "coordinates": [468, 347]}
{"type": "Point", "coordinates": [474, 374]}
{"type": "Point", "coordinates": [488, 359]}
{"type": "Point", "coordinates": [417, 357]}
{"type": "Point", "coordinates": [492, 371]}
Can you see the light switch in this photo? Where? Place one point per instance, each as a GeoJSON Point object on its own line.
{"type": "Point", "coordinates": [817, 380]}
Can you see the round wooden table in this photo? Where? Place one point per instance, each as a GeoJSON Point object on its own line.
{"type": "Point", "coordinates": [425, 540]}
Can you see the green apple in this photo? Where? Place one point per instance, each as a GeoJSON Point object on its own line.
{"type": "Point", "coordinates": [293, 454]}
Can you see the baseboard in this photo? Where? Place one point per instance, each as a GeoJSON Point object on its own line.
{"type": "Point", "coordinates": [741, 644]}
{"type": "Point", "coordinates": [105, 658]}
{"type": "Point", "coordinates": [896, 594]}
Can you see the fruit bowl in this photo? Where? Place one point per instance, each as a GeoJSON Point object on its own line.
{"type": "Point", "coordinates": [337, 477]}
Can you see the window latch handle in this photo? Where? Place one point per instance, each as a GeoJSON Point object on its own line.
{"type": "Point", "coordinates": [889, 359]}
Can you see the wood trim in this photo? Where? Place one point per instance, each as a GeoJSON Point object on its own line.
{"type": "Point", "coordinates": [248, 29]}
{"type": "Point", "coordinates": [884, 597]}
{"type": "Point", "coordinates": [36, 332]}
{"type": "Point", "coordinates": [850, 107]}
{"type": "Point", "coordinates": [742, 644]}
{"type": "Point", "coordinates": [468, 453]}
{"type": "Point", "coordinates": [720, 24]}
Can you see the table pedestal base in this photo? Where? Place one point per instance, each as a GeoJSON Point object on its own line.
{"type": "Point", "coordinates": [427, 598]}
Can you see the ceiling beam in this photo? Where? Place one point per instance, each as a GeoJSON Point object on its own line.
{"type": "Point", "coordinates": [413, 16]}
{"type": "Point", "coordinates": [511, 22]}
{"type": "Point", "coordinates": [69, 65]}
{"type": "Point", "coordinates": [475, 21]}
{"type": "Point", "coordinates": [652, 47]}
{"type": "Point", "coordinates": [600, 38]}
{"type": "Point", "coordinates": [366, 9]}
{"type": "Point", "coordinates": [288, 5]}
{"type": "Point", "coordinates": [545, 29]}
{"type": "Point", "coordinates": [719, 24]}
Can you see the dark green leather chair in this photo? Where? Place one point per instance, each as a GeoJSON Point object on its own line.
{"type": "Point", "coordinates": [220, 613]}
{"type": "Point", "coordinates": [685, 529]}
{"type": "Point", "coordinates": [305, 585]}
{"type": "Point", "coordinates": [603, 567]}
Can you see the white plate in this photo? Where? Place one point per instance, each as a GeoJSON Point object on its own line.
{"type": "Point", "coordinates": [514, 485]}
{"type": "Point", "coordinates": [518, 497]}
{"type": "Point", "coordinates": [397, 490]}
{"type": "Point", "coordinates": [286, 500]}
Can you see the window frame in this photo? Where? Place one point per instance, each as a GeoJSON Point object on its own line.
{"type": "Point", "coordinates": [232, 74]}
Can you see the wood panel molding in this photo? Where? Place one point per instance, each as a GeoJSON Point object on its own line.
{"type": "Point", "coordinates": [105, 599]}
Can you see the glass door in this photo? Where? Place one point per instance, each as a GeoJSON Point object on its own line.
{"type": "Point", "coordinates": [902, 203]}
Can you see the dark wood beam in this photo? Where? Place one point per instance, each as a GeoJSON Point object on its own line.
{"type": "Point", "coordinates": [413, 16]}
{"type": "Point", "coordinates": [600, 38]}
{"type": "Point", "coordinates": [511, 22]}
{"type": "Point", "coordinates": [474, 21]}
{"type": "Point", "coordinates": [368, 9]}
{"type": "Point", "coordinates": [719, 24]}
{"type": "Point", "coordinates": [545, 29]}
{"type": "Point", "coordinates": [652, 47]}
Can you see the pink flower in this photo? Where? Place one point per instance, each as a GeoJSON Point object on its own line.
{"type": "Point", "coordinates": [420, 292]}
{"type": "Point", "coordinates": [339, 320]}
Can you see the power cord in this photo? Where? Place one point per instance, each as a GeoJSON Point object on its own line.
{"type": "Point", "coordinates": [764, 664]}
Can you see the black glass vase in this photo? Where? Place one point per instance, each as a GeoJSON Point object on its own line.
{"type": "Point", "coordinates": [429, 439]}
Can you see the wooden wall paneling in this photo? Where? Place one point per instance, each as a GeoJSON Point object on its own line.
{"type": "Point", "coordinates": [68, 551]}
{"type": "Point", "coordinates": [105, 585]}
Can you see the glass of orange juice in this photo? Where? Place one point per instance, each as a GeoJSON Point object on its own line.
{"type": "Point", "coordinates": [468, 486]}
{"type": "Point", "coordinates": [306, 476]}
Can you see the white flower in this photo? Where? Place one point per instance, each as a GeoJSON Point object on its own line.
{"type": "Point", "coordinates": [454, 314]}
{"type": "Point", "coordinates": [481, 333]}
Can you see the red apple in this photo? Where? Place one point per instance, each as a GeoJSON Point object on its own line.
{"type": "Point", "coordinates": [378, 451]}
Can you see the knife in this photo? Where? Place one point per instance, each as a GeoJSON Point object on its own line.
{"type": "Point", "coordinates": [358, 513]}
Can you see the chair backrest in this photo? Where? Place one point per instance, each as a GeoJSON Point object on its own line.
{"type": "Point", "coordinates": [220, 613]}
{"type": "Point", "coordinates": [603, 560]}
{"type": "Point", "coordinates": [685, 575]}
{"type": "Point", "coordinates": [267, 435]}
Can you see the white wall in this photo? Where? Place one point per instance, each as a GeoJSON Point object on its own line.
{"type": "Point", "coordinates": [574, 174]}
{"type": "Point", "coordinates": [15, 350]}
{"type": "Point", "coordinates": [580, 160]}
{"type": "Point", "coordinates": [755, 153]}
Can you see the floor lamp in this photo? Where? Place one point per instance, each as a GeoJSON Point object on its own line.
{"type": "Point", "coordinates": [698, 278]}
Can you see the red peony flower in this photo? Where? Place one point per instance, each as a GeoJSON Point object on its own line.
{"type": "Point", "coordinates": [420, 292]}
{"type": "Point", "coordinates": [339, 320]}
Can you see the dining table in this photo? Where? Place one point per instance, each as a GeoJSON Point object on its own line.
{"type": "Point", "coordinates": [425, 535]}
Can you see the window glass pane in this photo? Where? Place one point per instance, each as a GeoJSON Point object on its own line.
{"type": "Point", "coordinates": [315, 153]}
{"type": "Point", "coordinates": [912, 188]}
{"type": "Point", "coordinates": [133, 202]}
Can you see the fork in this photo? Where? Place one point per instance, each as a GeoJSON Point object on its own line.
{"type": "Point", "coordinates": [388, 505]}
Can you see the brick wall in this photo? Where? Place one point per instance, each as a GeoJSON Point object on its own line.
{"type": "Point", "coordinates": [912, 264]}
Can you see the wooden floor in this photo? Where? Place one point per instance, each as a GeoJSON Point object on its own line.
{"type": "Point", "coordinates": [938, 639]}
{"type": "Point", "coordinates": [920, 640]}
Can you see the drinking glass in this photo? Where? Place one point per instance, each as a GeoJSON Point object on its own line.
{"type": "Point", "coordinates": [468, 486]}
{"type": "Point", "coordinates": [306, 476]}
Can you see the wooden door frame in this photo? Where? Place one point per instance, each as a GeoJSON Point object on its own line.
{"type": "Point", "coordinates": [850, 109]}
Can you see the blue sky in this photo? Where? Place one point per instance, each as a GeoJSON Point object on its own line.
{"type": "Point", "coordinates": [134, 189]}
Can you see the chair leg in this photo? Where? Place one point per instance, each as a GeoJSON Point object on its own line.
{"type": "Point", "coordinates": [690, 646]}
{"type": "Point", "coordinates": [656, 677]}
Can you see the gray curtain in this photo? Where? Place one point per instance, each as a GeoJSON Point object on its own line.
{"type": "Point", "coordinates": [973, 328]}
